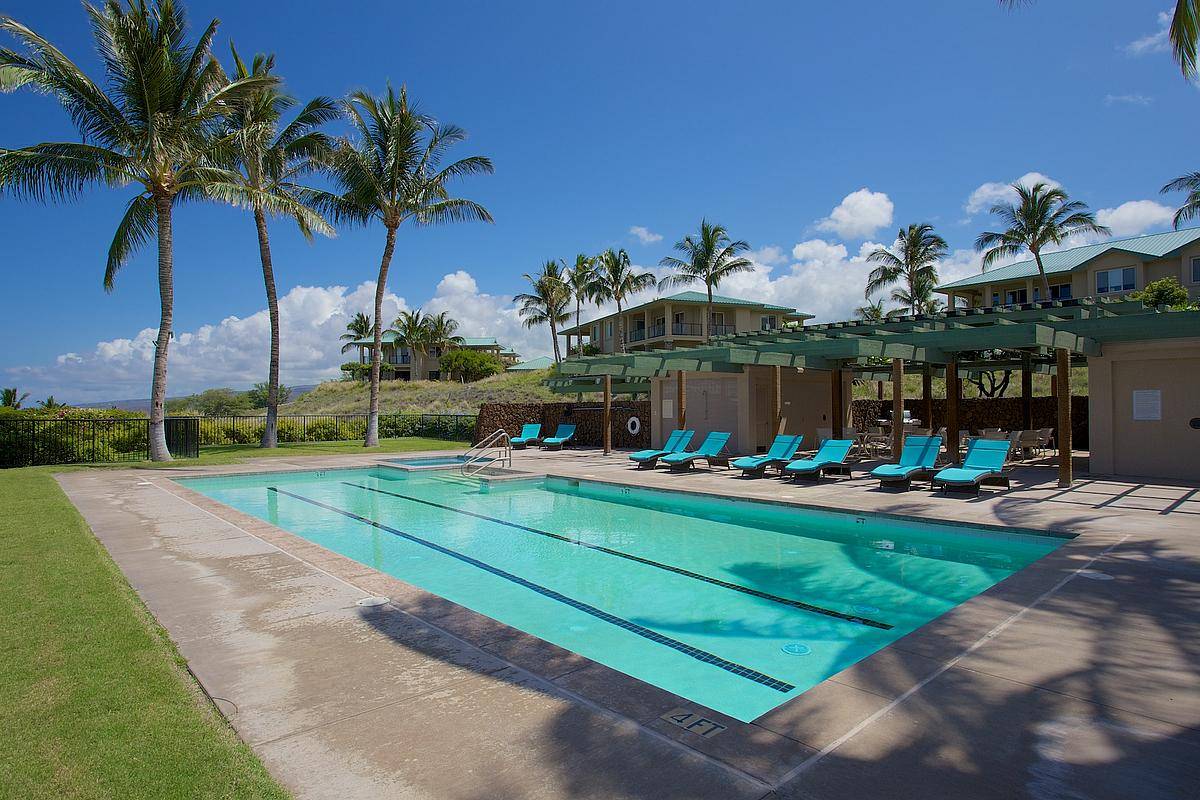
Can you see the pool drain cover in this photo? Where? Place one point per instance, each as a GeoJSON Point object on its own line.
{"type": "Point", "coordinates": [372, 602]}
{"type": "Point", "coordinates": [866, 610]}
{"type": "Point", "coordinates": [797, 649]}
{"type": "Point", "coordinates": [1095, 575]}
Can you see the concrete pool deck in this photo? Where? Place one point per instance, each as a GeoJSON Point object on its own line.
{"type": "Point", "coordinates": [1077, 677]}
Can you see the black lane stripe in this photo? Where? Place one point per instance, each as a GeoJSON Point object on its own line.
{"type": "Point", "coordinates": [737, 587]}
{"type": "Point", "coordinates": [658, 638]}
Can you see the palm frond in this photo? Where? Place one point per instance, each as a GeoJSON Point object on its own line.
{"type": "Point", "coordinates": [137, 228]}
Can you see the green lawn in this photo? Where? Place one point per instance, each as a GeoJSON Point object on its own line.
{"type": "Point", "coordinates": [95, 701]}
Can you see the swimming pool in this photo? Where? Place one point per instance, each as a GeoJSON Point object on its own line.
{"type": "Point", "coordinates": [432, 462]}
{"type": "Point", "coordinates": [735, 604]}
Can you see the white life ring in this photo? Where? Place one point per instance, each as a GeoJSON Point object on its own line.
{"type": "Point", "coordinates": [634, 426]}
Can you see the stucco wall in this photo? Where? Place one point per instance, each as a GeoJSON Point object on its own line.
{"type": "Point", "coordinates": [1164, 448]}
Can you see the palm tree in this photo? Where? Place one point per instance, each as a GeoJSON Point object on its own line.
{"type": "Point", "coordinates": [10, 399]}
{"type": "Point", "coordinates": [871, 312]}
{"type": "Point", "coordinates": [710, 257]}
{"type": "Point", "coordinates": [914, 265]}
{"type": "Point", "coordinates": [50, 404]}
{"type": "Point", "coordinates": [616, 279]}
{"type": "Point", "coordinates": [269, 162]}
{"type": "Point", "coordinates": [581, 280]}
{"type": "Point", "coordinates": [547, 301]}
{"type": "Point", "coordinates": [154, 122]}
{"type": "Point", "coordinates": [1189, 183]}
{"type": "Point", "coordinates": [443, 333]}
{"type": "Point", "coordinates": [393, 173]}
{"type": "Point", "coordinates": [357, 329]}
{"type": "Point", "coordinates": [1184, 33]}
{"type": "Point", "coordinates": [1043, 215]}
{"type": "Point", "coordinates": [412, 330]}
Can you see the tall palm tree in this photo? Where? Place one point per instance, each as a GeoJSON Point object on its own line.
{"type": "Point", "coordinates": [871, 312]}
{"type": "Point", "coordinates": [616, 280]}
{"type": "Point", "coordinates": [412, 331]}
{"type": "Point", "coordinates": [392, 172]}
{"type": "Point", "coordinates": [271, 158]}
{"type": "Point", "coordinates": [914, 266]}
{"type": "Point", "coordinates": [1043, 215]}
{"type": "Point", "coordinates": [581, 280]}
{"type": "Point", "coordinates": [357, 329]}
{"type": "Point", "coordinates": [443, 333]}
{"type": "Point", "coordinates": [154, 122]}
{"type": "Point", "coordinates": [711, 258]}
{"type": "Point", "coordinates": [9, 398]}
{"type": "Point", "coordinates": [1189, 183]}
{"type": "Point", "coordinates": [546, 302]}
{"type": "Point", "coordinates": [1184, 33]}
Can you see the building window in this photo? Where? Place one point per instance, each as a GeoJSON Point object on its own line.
{"type": "Point", "coordinates": [718, 318]}
{"type": "Point", "coordinates": [1196, 269]}
{"type": "Point", "coordinates": [769, 323]}
{"type": "Point", "coordinates": [610, 329]}
{"type": "Point", "coordinates": [1016, 297]}
{"type": "Point", "coordinates": [595, 333]}
{"type": "Point", "coordinates": [995, 299]}
{"type": "Point", "coordinates": [678, 317]}
{"type": "Point", "coordinates": [1115, 280]}
{"type": "Point", "coordinates": [435, 375]}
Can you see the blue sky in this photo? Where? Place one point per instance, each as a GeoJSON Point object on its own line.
{"type": "Point", "coordinates": [809, 130]}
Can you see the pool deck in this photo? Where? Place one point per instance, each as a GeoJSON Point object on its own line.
{"type": "Point", "coordinates": [1078, 677]}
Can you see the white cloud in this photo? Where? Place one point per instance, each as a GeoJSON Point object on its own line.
{"type": "Point", "coordinates": [645, 235]}
{"type": "Point", "coordinates": [859, 215]}
{"type": "Point", "coordinates": [1157, 42]}
{"type": "Point", "coordinates": [1128, 100]}
{"type": "Point", "coordinates": [771, 254]}
{"type": "Point", "coordinates": [988, 194]}
{"type": "Point", "coordinates": [1135, 216]}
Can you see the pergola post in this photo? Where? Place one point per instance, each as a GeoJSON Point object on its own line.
{"type": "Point", "coordinates": [681, 394]}
{"type": "Point", "coordinates": [838, 420]}
{"type": "Point", "coordinates": [1026, 393]}
{"type": "Point", "coordinates": [1063, 434]}
{"type": "Point", "coordinates": [897, 407]}
{"type": "Point", "coordinates": [927, 396]}
{"type": "Point", "coordinates": [952, 393]}
{"type": "Point", "coordinates": [777, 398]}
{"type": "Point", "coordinates": [607, 414]}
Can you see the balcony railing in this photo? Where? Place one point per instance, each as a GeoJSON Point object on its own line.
{"type": "Point", "coordinates": [721, 330]}
{"type": "Point", "coordinates": [636, 335]}
{"type": "Point", "coordinates": [687, 329]}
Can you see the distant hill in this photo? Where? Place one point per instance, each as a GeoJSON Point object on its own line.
{"type": "Point", "coordinates": [143, 404]}
{"type": "Point", "coordinates": [424, 397]}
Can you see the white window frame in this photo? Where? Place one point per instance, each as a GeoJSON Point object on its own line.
{"type": "Point", "coordinates": [1108, 280]}
{"type": "Point", "coordinates": [1195, 269]}
{"type": "Point", "coordinates": [769, 322]}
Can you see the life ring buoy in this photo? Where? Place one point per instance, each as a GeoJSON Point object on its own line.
{"type": "Point", "coordinates": [634, 426]}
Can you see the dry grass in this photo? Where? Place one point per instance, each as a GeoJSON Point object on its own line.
{"type": "Point", "coordinates": [424, 397]}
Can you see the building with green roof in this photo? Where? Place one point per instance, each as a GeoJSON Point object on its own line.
{"type": "Point", "coordinates": [1108, 269]}
{"type": "Point", "coordinates": [401, 363]}
{"type": "Point", "coordinates": [678, 321]}
{"type": "Point", "coordinates": [533, 364]}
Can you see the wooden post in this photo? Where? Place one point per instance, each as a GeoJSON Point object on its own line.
{"type": "Point", "coordinates": [879, 390]}
{"type": "Point", "coordinates": [1063, 434]}
{"type": "Point", "coordinates": [777, 398]}
{"type": "Point", "coordinates": [897, 407]}
{"type": "Point", "coordinates": [1026, 393]}
{"type": "Point", "coordinates": [1054, 386]}
{"type": "Point", "coordinates": [681, 396]}
{"type": "Point", "coordinates": [839, 421]}
{"type": "Point", "coordinates": [607, 414]}
{"type": "Point", "coordinates": [952, 393]}
{"type": "Point", "coordinates": [927, 396]}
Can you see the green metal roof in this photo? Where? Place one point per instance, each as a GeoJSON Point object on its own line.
{"type": "Point", "coordinates": [389, 337]}
{"type": "Point", "coordinates": [699, 298]}
{"type": "Point", "coordinates": [544, 362]}
{"type": "Point", "coordinates": [1150, 246]}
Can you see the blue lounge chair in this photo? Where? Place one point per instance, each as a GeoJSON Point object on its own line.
{"type": "Point", "coordinates": [561, 436]}
{"type": "Point", "coordinates": [916, 459]}
{"type": "Point", "coordinates": [530, 434]}
{"type": "Point", "coordinates": [781, 452]}
{"type": "Point", "coordinates": [677, 442]}
{"type": "Point", "coordinates": [831, 455]}
{"type": "Point", "coordinates": [710, 450]}
{"type": "Point", "coordinates": [984, 463]}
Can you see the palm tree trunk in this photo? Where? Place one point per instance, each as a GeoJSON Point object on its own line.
{"type": "Point", "coordinates": [166, 296]}
{"type": "Point", "coordinates": [620, 327]}
{"type": "Point", "coordinates": [554, 338]}
{"type": "Point", "coordinates": [708, 314]}
{"type": "Point", "coordinates": [270, 437]}
{"type": "Point", "coordinates": [372, 439]}
{"type": "Point", "coordinates": [578, 336]}
{"type": "Point", "coordinates": [1037, 257]}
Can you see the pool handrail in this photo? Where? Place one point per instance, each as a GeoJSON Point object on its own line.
{"type": "Point", "coordinates": [476, 459]}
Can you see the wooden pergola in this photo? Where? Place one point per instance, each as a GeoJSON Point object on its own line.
{"type": "Point", "coordinates": [1048, 337]}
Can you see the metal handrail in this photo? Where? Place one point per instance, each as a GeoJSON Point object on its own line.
{"type": "Point", "coordinates": [477, 459]}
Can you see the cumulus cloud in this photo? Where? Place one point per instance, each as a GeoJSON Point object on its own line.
{"type": "Point", "coordinates": [771, 254]}
{"type": "Point", "coordinates": [233, 352]}
{"type": "Point", "coordinates": [1156, 42]}
{"type": "Point", "coordinates": [860, 214]}
{"type": "Point", "coordinates": [1127, 100]}
{"type": "Point", "coordinates": [988, 194]}
{"type": "Point", "coordinates": [1135, 216]}
{"type": "Point", "coordinates": [645, 235]}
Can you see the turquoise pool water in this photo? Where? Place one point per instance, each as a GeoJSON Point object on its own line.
{"type": "Point", "coordinates": [431, 461]}
{"type": "Point", "coordinates": [734, 604]}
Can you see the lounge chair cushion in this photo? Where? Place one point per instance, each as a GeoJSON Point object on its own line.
{"type": "Point", "coordinates": [783, 448]}
{"type": "Point", "coordinates": [711, 447]}
{"type": "Point", "coordinates": [529, 433]}
{"type": "Point", "coordinates": [831, 453]}
{"type": "Point", "coordinates": [676, 442]}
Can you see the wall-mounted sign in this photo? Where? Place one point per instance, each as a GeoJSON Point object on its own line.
{"type": "Point", "coordinates": [668, 408]}
{"type": "Point", "coordinates": [1147, 405]}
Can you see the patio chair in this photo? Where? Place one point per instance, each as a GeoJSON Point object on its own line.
{"type": "Point", "coordinates": [530, 434]}
{"type": "Point", "coordinates": [984, 463]}
{"type": "Point", "coordinates": [830, 456]}
{"type": "Point", "coordinates": [1024, 444]}
{"type": "Point", "coordinates": [1045, 437]}
{"type": "Point", "coordinates": [564, 434]}
{"type": "Point", "coordinates": [781, 452]}
{"type": "Point", "coordinates": [917, 459]}
{"type": "Point", "coordinates": [677, 442]}
{"type": "Point", "coordinates": [710, 450]}
{"type": "Point", "coordinates": [993, 434]}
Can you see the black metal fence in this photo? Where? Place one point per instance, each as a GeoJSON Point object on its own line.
{"type": "Point", "coordinates": [26, 442]}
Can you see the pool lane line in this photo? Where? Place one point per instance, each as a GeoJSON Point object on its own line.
{"type": "Point", "coordinates": [658, 638]}
{"type": "Point", "coordinates": [737, 587]}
